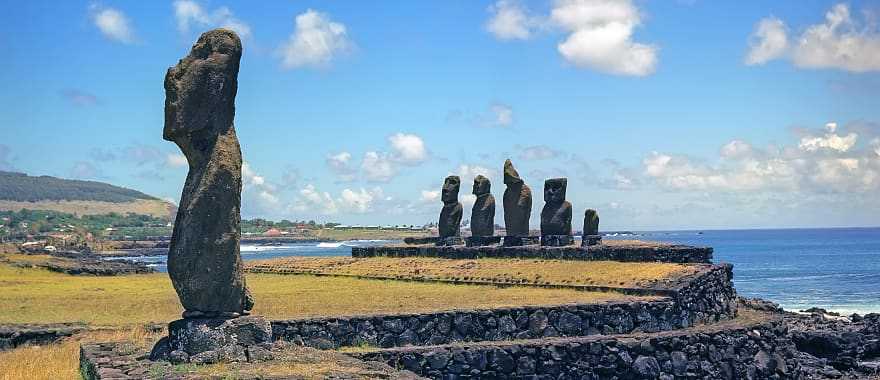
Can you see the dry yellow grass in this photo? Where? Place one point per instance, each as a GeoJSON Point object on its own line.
{"type": "Point", "coordinates": [40, 296]}
{"type": "Point", "coordinates": [61, 360]}
{"type": "Point", "coordinates": [154, 207]}
{"type": "Point", "coordinates": [506, 271]}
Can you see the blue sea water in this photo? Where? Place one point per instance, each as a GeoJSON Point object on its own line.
{"type": "Point", "coordinates": [836, 269]}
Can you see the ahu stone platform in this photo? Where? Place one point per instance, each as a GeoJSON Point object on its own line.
{"type": "Point", "coordinates": [625, 252]}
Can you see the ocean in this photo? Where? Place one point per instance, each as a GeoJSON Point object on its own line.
{"type": "Point", "coordinates": [835, 269]}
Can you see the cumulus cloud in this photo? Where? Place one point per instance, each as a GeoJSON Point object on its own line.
{"type": "Point", "coordinates": [831, 140]}
{"type": "Point", "coordinates": [736, 149]}
{"type": "Point", "coordinates": [113, 24]}
{"type": "Point", "coordinates": [259, 196]}
{"type": "Point", "coordinates": [190, 14]}
{"type": "Point", "coordinates": [315, 41]}
{"type": "Point", "coordinates": [502, 115]}
{"type": "Point", "coordinates": [340, 164]}
{"type": "Point", "coordinates": [498, 115]}
{"type": "Point", "coordinates": [430, 196]}
{"type": "Point", "coordinates": [510, 21]}
{"type": "Point", "coordinates": [830, 163]}
{"type": "Point", "coordinates": [408, 148]}
{"type": "Point", "coordinates": [176, 160]}
{"type": "Point", "coordinates": [378, 167]}
{"type": "Point", "coordinates": [354, 201]}
{"type": "Point", "coordinates": [769, 41]}
{"type": "Point", "coordinates": [840, 42]}
{"type": "Point", "coordinates": [538, 152]}
{"type": "Point", "coordinates": [601, 36]}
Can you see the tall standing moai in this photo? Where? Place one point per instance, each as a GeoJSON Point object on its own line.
{"type": "Point", "coordinates": [591, 228]}
{"type": "Point", "coordinates": [517, 207]}
{"type": "Point", "coordinates": [482, 214]}
{"type": "Point", "coordinates": [449, 224]}
{"type": "Point", "coordinates": [204, 261]}
{"type": "Point", "coordinates": [556, 214]}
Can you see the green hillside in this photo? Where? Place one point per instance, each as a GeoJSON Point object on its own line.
{"type": "Point", "coordinates": [20, 187]}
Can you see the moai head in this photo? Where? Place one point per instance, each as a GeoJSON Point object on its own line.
{"type": "Point", "coordinates": [481, 185]}
{"type": "Point", "coordinates": [202, 86]}
{"type": "Point", "coordinates": [510, 174]}
{"type": "Point", "coordinates": [554, 190]}
{"type": "Point", "coordinates": [450, 189]}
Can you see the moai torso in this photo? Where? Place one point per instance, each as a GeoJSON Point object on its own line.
{"type": "Point", "coordinates": [449, 224]}
{"type": "Point", "coordinates": [204, 261]}
{"type": "Point", "coordinates": [517, 202]}
{"type": "Point", "coordinates": [483, 212]}
{"type": "Point", "coordinates": [556, 214]}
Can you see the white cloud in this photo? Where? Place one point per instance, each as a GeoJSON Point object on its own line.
{"type": "Point", "coordinates": [840, 42]}
{"type": "Point", "coordinates": [378, 167]}
{"type": "Point", "coordinates": [601, 36]}
{"type": "Point", "coordinates": [538, 152]}
{"type": "Point", "coordinates": [408, 148]}
{"type": "Point", "coordinates": [467, 200]}
{"type": "Point", "coordinates": [113, 24]}
{"type": "Point", "coordinates": [340, 164]}
{"type": "Point", "coordinates": [430, 196]}
{"type": "Point", "coordinates": [502, 115]}
{"type": "Point", "coordinates": [360, 201]}
{"type": "Point", "coordinates": [736, 149]}
{"type": "Point", "coordinates": [510, 21]}
{"type": "Point", "coordinates": [831, 140]}
{"type": "Point", "coordinates": [176, 160]}
{"type": "Point", "coordinates": [816, 165]}
{"type": "Point", "coordinates": [191, 14]}
{"type": "Point", "coordinates": [258, 195]}
{"type": "Point", "coordinates": [315, 41]}
{"type": "Point", "coordinates": [769, 41]}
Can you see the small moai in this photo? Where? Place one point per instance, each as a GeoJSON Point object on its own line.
{"type": "Point", "coordinates": [482, 214]}
{"type": "Point", "coordinates": [204, 259]}
{"type": "Point", "coordinates": [591, 228]}
{"type": "Point", "coordinates": [556, 214]}
{"type": "Point", "coordinates": [517, 207]}
{"type": "Point", "coordinates": [449, 224]}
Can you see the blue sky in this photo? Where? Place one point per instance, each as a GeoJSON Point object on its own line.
{"type": "Point", "coordinates": [662, 114]}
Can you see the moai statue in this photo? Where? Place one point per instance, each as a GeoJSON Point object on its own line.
{"type": "Point", "coordinates": [450, 217]}
{"type": "Point", "coordinates": [556, 214]}
{"type": "Point", "coordinates": [517, 207]}
{"type": "Point", "coordinates": [204, 261]}
{"type": "Point", "coordinates": [483, 214]}
{"type": "Point", "coordinates": [591, 228]}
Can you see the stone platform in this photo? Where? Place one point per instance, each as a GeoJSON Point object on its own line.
{"type": "Point", "coordinates": [667, 253]}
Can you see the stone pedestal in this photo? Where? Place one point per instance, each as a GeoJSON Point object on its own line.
{"type": "Point", "coordinates": [589, 240]}
{"type": "Point", "coordinates": [556, 240]}
{"type": "Point", "coordinates": [516, 241]}
{"type": "Point", "coordinates": [482, 241]}
{"type": "Point", "coordinates": [214, 340]}
{"type": "Point", "coordinates": [450, 241]}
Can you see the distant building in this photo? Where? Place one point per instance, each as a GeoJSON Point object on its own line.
{"type": "Point", "coordinates": [272, 232]}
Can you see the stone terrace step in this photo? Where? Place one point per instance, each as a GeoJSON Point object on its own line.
{"type": "Point", "coordinates": [751, 346]}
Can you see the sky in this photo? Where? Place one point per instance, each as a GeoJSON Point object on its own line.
{"type": "Point", "coordinates": [662, 114]}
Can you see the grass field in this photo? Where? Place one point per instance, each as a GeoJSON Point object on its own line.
{"type": "Point", "coordinates": [126, 303]}
{"type": "Point", "coordinates": [153, 207]}
{"type": "Point", "coordinates": [504, 271]}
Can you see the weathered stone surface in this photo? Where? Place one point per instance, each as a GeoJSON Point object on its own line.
{"type": "Point", "coordinates": [591, 228]}
{"type": "Point", "coordinates": [556, 214]}
{"type": "Point", "coordinates": [556, 240]}
{"type": "Point", "coordinates": [480, 241]}
{"type": "Point", "coordinates": [204, 261]}
{"type": "Point", "coordinates": [526, 248]}
{"type": "Point", "coordinates": [449, 224]}
{"type": "Point", "coordinates": [14, 335]}
{"type": "Point", "coordinates": [212, 340]}
{"type": "Point", "coordinates": [517, 202]}
{"type": "Point", "coordinates": [483, 212]}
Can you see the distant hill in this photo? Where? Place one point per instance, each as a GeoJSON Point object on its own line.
{"type": "Point", "coordinates": [19, 190]}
